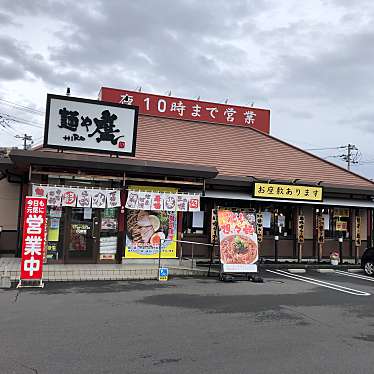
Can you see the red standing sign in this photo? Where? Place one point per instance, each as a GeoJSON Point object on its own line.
{"type": "Point", "coordinates": [33, 241]}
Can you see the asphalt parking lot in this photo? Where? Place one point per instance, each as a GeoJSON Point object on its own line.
{"type": "Point", "coordinates": [291, 323]}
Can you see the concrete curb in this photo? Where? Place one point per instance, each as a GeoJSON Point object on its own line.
{"type": "Point", "coordinates": [296, 271]}
{"type": "Point", "coordinates": [325, 270]}
{"type": "Point", "coordinates": [356, 270]}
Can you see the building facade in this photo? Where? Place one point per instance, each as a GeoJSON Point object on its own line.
{"type": "Point", "coordinates": [224, 164]}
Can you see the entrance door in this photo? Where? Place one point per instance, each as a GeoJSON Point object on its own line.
{"type": "Point", "coordinates": [82, 235]}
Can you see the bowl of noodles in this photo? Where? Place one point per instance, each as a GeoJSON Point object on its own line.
{"type": "Point", "coordinates": [238, 249]}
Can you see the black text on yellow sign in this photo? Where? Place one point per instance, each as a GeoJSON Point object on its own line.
{"type": "Point", "coordinates": [287, 191]}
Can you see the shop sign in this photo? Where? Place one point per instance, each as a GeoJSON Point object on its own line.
{"type": "Point", "coordinates": [260, 227]}
{"type": "Point", "coordinates": [147, 230]}
{"type": "Point", "coordinates": [90, 125]}
{"type": "Point", "coordinates": [358, 231]}
{"type": "Point", "coordinates": [287, 192]}
{"type": "Point", "coordinates": [320, 229]}
{"type": "Point", "coordinates": [238, 241]}
{"type": "Point", "coordinates": [170, 202]}
{"type": "Point", "coordinates": [33, 240]}
{"type": "Point", "coordinates": [300, 229]}
{"type": "Point", "coordinates": [341, 225]}
{"type": "Point", "coordinates": [341, 212]}
{"type": "Point", "coordinates": [190, 110]}
{"type": "Point", "coordinates": [213, 226]}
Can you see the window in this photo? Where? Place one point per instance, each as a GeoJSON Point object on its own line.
{"type": "Point", "coordinates": [277, 220]}
{"type": "Point", "coordinates": [337, 222]}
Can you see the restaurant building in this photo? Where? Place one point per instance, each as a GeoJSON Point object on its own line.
{"type": "Point", "coordinates": [185, 159]}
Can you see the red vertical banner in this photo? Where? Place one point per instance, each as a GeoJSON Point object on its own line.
{"type": "Point", "coordinates": [33, 241]}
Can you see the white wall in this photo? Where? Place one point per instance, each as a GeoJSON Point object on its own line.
{"type": "Point", "coordinates": [9, 197]}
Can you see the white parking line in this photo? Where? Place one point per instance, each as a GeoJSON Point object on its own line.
{"type": "Point", "coordinates": [354, 275]}
{"type": "Point", "coordinates": [317, 282]}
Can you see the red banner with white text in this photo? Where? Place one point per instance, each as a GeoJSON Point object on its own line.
{"type": "Point", "coordinates": [33, 241]}
{"type": "Point", "coordinates": [190, 110]}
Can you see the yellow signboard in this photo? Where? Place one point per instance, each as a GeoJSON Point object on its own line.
{"type": "Point", "coordinates": [341, 225]}
{"type": "Point", "coordinates": [287, 191]}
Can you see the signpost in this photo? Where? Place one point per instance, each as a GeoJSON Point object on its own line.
{"type": "Point", "coordinates": [163, 274]}
{"type": "Point", "coordinates": [33, 242]}
{"type": "Point", "coordinates": [238, 241]}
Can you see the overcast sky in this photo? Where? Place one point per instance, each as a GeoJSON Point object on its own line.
{"type": "Point", "coordinates": [310, 62]}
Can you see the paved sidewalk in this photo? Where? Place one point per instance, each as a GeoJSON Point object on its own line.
{"type": "Point", "coordinates": [88, 272]}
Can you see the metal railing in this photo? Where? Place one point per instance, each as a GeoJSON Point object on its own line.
{"type": "Point", "coordinates": [193, 244]}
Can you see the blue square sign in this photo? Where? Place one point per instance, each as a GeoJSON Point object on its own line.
{"type": "Point", "coordinates": [163, 274]}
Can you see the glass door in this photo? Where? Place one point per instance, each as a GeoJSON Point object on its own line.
{"type": "Point", "coordinates": [82, 235]}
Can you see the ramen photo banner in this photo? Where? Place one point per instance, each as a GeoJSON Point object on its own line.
{"type": "Point", "coordinates": [238, 241]}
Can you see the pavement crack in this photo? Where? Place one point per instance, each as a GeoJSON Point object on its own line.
{"type": "Point", "coordinates": [307, 316]}
{"type": "Point", "coordinates": [166, 361]}
{"type": "Point", "coordinates": [30, 368]}
{"type": "Point", "coordinates": [16, 297]}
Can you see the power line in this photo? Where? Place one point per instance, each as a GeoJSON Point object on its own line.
{"type": "Point", "coordinates": [22, 107]}
{"type": "Point", "coordinates": [324, 149]}
{"type": "Point", "coordinates": [19, 120]}
{"type": "Point", "coordinates": [352, 156]}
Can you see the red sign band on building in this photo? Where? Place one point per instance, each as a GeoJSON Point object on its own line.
{"type": "Point", "coordinates": [190, 110]}
{"type": "Point", "coordinates": [33, 241]}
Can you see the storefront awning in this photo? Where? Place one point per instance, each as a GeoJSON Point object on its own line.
{"type": "Point", "coordinates": [327, 201]}
{"type": "Point", "coordinates": [23, 159]}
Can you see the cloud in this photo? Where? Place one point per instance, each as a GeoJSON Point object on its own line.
{"type": "Point", "coordinates": [311, 65]}
{"type": "Point", "coordinates": [6, 19]}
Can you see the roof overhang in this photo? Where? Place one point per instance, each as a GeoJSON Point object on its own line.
{"type": "Point", "coordinates": [326, 202]}
{"type": "Point", "coordinates": [22, 160]}
{"type": "Point", "coordinates": [246, 182]}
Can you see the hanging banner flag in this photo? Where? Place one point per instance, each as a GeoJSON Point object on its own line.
{"type": "Point", "coordinates": [141, 201]}
{"type": "Point", "coordinates": [358, 231]}
{"type": "Point", "coordinates": [194, 203]}
{"type": "Point", "coordinates": [98, 199]}
{"type": "Point", "coordinates": [33, 240]}
{"type": "Point", "coordinates": [84, 198]}
{"type": "Point", "coordinates": [54, 196]}
{"type": "Point", "coordinates": [170, 202]}
{"type": "Point", "coordinates": [144, 200]}
{"type": "Point", "coordinates": [148, 196]}
{"type": "Point", "coordinates": [259, 226]}
{"type": "Point", "coordinates": [158, 201]}
{"type": "Point", "coordinates": [113, 198]}
{"type": "Point", "coordinates": [182, 203]}
{"type": "Point", "coordinates": [38, 190]}
{"type": "Point", "coordinates": [132, 200]}
{"type": "Point", "coordinates": [238, 241]}
{"type": "Point", "coordinates": [320, 229]}
{"type": "Point", "coordinates": [69, 197]}
{"type": "Point", "coordinates": [300, 229]}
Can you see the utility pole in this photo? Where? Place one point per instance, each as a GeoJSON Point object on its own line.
{"type": "Point", "coordinates": [349, 158]}
{"type": "Point", "coordinates": [26, 138]}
